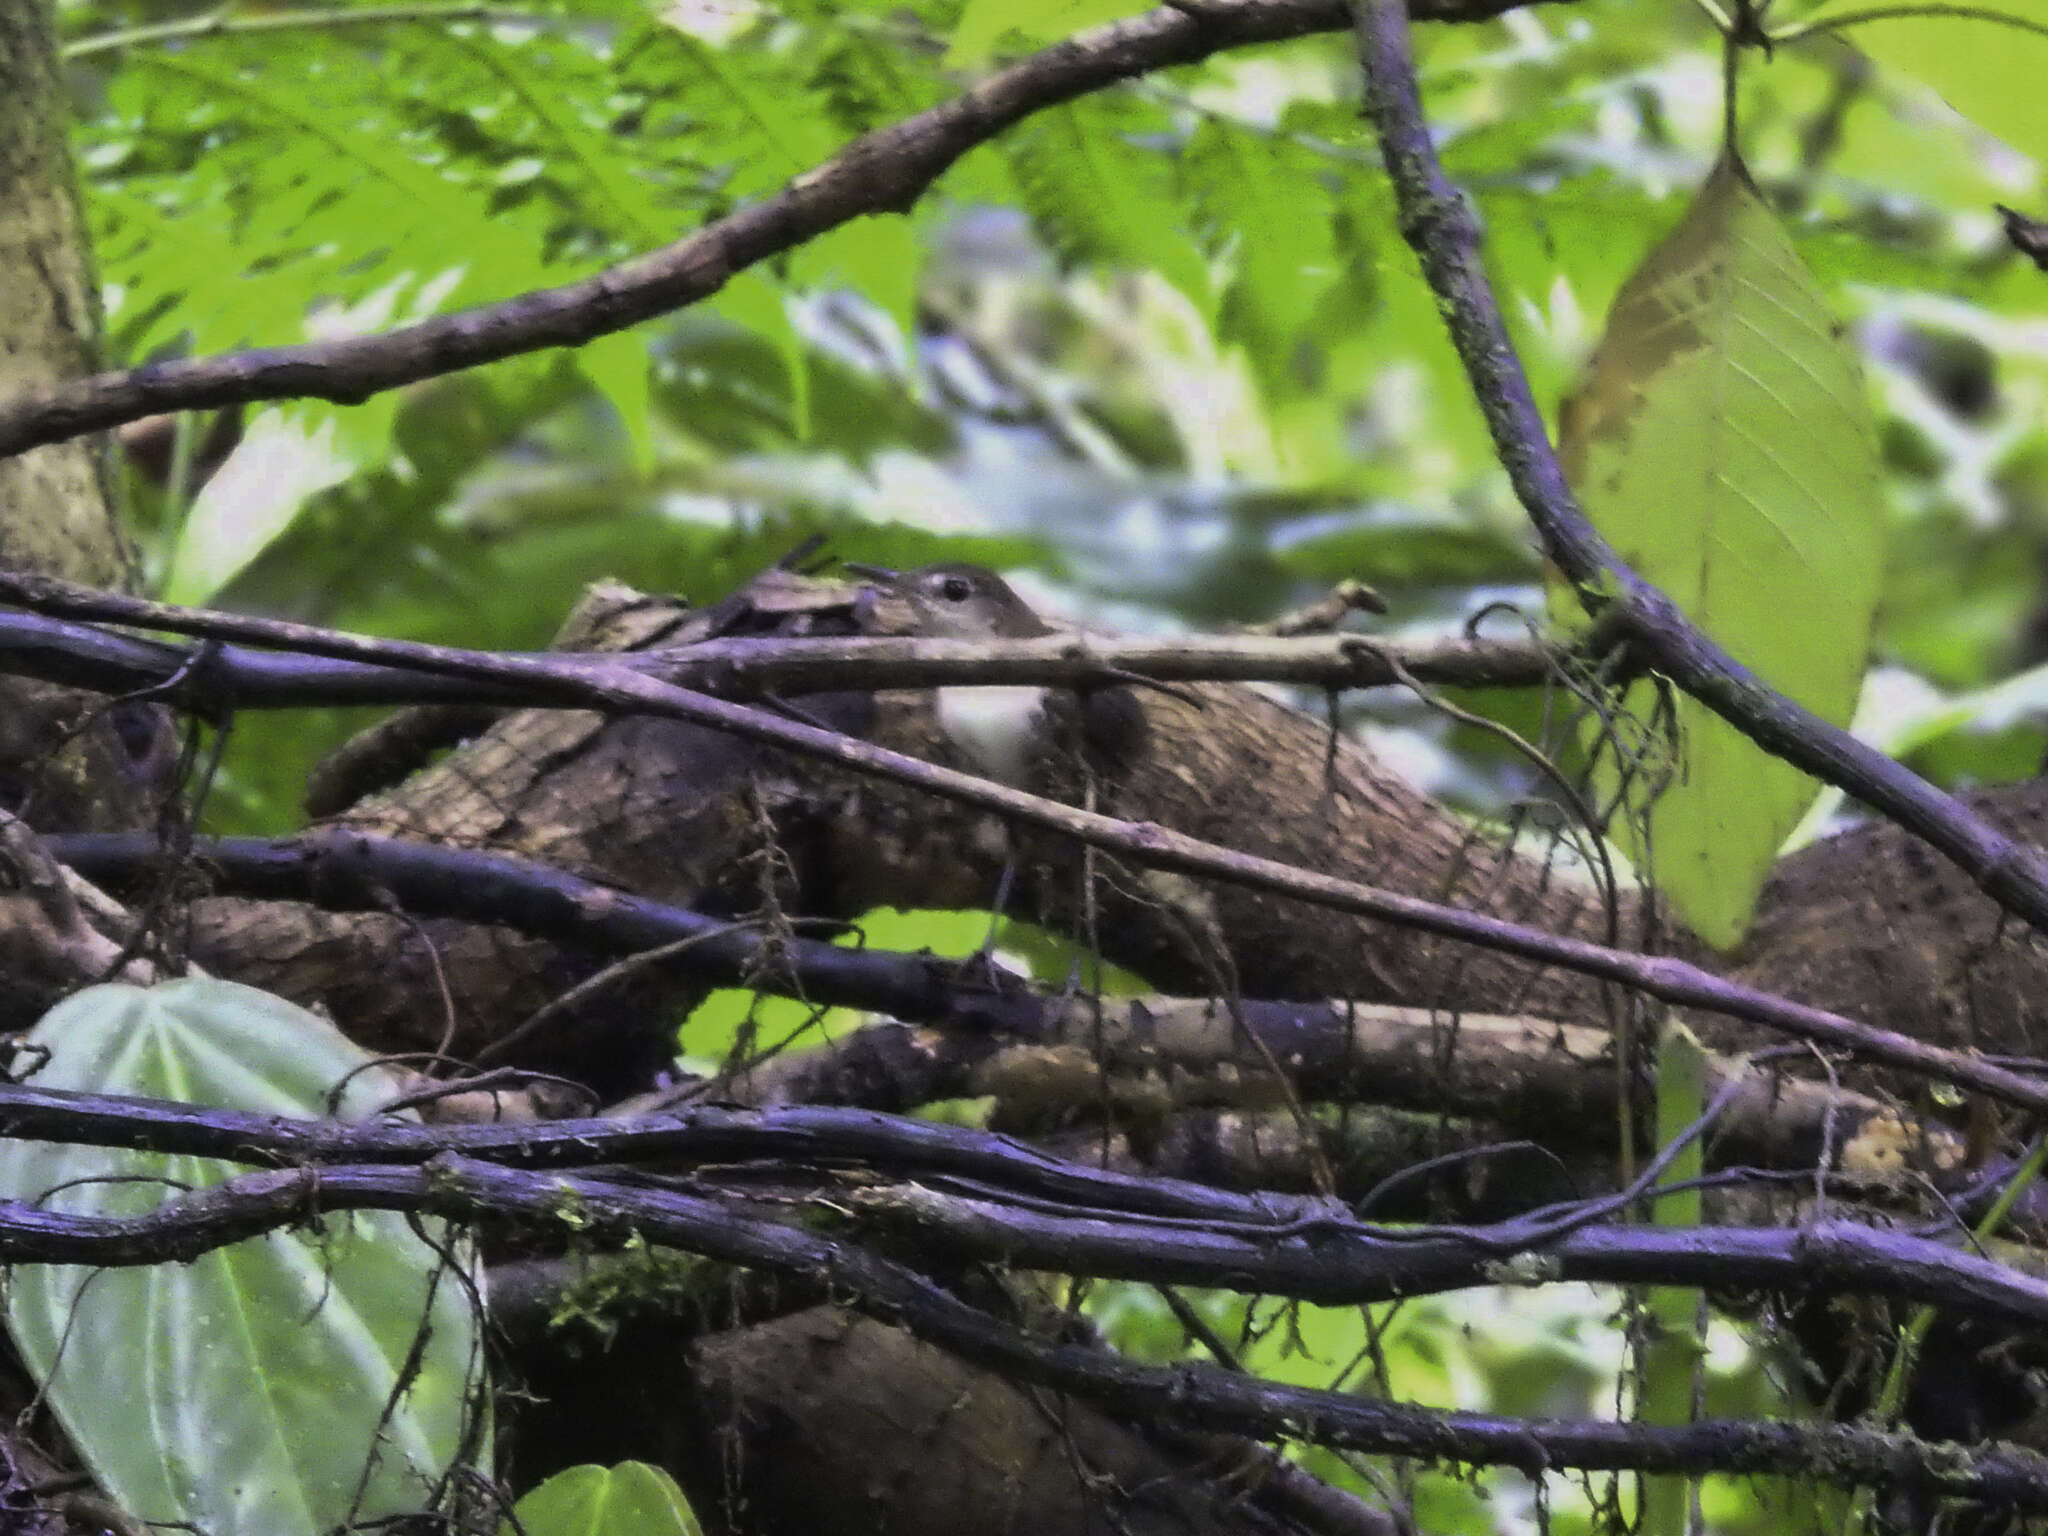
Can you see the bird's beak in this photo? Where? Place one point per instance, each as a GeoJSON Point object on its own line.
{"type": "Point", "coordinates": [880, 573]}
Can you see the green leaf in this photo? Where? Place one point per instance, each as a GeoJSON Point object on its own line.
{"type": "Point", "coordinates": [877, 257]}
{"type": "Point", "coordinates": [1403, 545]}
{"type": "Point", "coordinates": [630, 1499]}
{"type": "Point", "coordinates": [617, 368]}
{"type": "Point", "coordinates": [735, 102]}
{"type": "Point", "coordinates": [756, 301]}
{"type": "Point", "coordinates": [270, 1387]}
{"type": "Point", "coordinates": [1723, 443]}
{"type": "Point", "coordinates": [272, 180]}
{"type": "Point", "coordinates": [277, 467]}
{"type": "Point", "coordinates": [868, 82]}
{"type": "Point", "coordinates": [1099, 197]}
{"type": "Point", "coordinates": [597, 171]}
{"type": "Point", "coordinates": [1275, 219]}
{"type": "Point", "coordinates": [1987, 69]}
{"type": "Point", "coordinates": [984, 23]}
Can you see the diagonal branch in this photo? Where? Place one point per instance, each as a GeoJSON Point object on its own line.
{"type": "Point", "coordinates": [753, 667]}
{"type": "Point", "coordinates": [593, 685]}
{"type": "Point", "coordinates": [882, 172]}
{"type": "Point", "coordinates": [1531, 1072]}
{"type": "Point", "coordinates": [1438, 222]}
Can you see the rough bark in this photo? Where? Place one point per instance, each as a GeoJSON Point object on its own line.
{"type": "Point", "coordinates": [655, 806]}
{"type": "Point", "coordinates": [696, 818]}
{"type": "Point", "coordinates": [1869, 924]}
{"type": "Point", "coordinates": [54, 501]}
{"type": "Point", "coordinates": [66, 760]}
{"type": "Point", "coordinates": [1874, 924]}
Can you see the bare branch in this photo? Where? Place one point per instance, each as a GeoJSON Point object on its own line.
{"type": "Point", "coordinates": [82, 656]}
{"type": "Point", "coordinates": [222, 24]}
{"type": "Point", "coordinates": [1528, 1074]}
{"type": "Point", "coordinates": [729, 1231]}
{"type": "Point", "coordinates": [593, 683]}
{"type": "Point", "coordinates": [1325, 1256]}
{"type": "Point", "coordinates": [882, 172]}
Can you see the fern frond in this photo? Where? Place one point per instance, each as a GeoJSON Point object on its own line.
{"type": "Point", "coordinates": [1268, 208]}
{"type": "Point", "coordinates": [1098, 197]}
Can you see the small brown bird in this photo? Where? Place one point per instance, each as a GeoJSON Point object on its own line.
{"type": "Point", "coordinates": [1003, 730]}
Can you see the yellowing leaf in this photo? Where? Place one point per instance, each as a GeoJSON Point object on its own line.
{"type": "Point", "coordinates": [1723, 443]}
{"type": "Point", "coordinates": [1988, 70]}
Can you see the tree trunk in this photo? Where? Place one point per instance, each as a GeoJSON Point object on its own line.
{"type": "Point", "coordinates": [66, 759]}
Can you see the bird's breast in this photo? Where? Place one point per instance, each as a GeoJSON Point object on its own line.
{"type": "Point", "coordinates": [996, 729]}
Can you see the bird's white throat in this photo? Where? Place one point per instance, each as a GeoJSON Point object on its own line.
{"type": "Point", "coordinates": [995, 728]}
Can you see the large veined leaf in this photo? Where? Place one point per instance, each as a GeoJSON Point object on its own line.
{"type": "Point", "coordinates": [630, 1499]}
{"type": "Point", "coordinates": [271, 1387]}
{"type": "Point", "coordinates": [1723, 443]}
{"type": "Point", "coordinates": [1987, 69]}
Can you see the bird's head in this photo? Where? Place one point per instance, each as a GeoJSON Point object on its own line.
{"type": "Point", "coordinates": [957, 600]}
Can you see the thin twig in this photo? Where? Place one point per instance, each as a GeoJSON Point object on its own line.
{"type": "Point", "coordinates": [756, 667]}
{"type": "Point", "coordinates": [222, 23]}
{"type": "Point", "coordinates": [595, 685]}
{"type": "Point", "coordinates": [1842, 20]}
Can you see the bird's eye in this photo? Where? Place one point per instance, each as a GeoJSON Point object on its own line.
{"type": "Point", "coordinates": [956, 589]}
